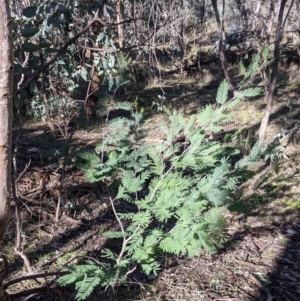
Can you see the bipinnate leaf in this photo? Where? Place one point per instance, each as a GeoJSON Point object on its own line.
{"type": "Point", "coordinates": [251, 92]}
{"type": "Point", "coordinates": [222, 93]}
{"type": "Point", "coordinates": [205, 115]}
{"type": "Point", "coordinates": [169, 196]}
{"type": "Point", "coordinates": [87, 286]}
{"type": "Point", "coordinates": [265, 53]}
{"type": "Point", "coordinates": [125, 105]}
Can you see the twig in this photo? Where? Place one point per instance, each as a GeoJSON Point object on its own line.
{"type": "Point", "coordinates": [27, 56]}
{"type": "Point", "coordinates": [261, 286]}
{"type": "Point", "coordinates": [89, 93]}
{"type": "Point", "coordinates": [120, 224]}
{"type": "Point", "coordinates": [58, 205]}
{"type": "Point", "coordinates": [100, 49]}
{"type": "Point", "coordinates": [34, 276]}
{"type": "Point", "coordinates": [104, 134]}
{"type": "Point", "coordinates": [125, 240]}
{"type": "Point", "coordinates": [33, 292]}
{"type": "Point", "coordinates": [18, 247]}
{"type": "Point", "coordinates": [24, 170]}
{"type": "Point", "coordinates": [256, 248]}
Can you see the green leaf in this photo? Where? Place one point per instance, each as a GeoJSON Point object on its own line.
{"type": "Point", "coordinates": [125, 105]}
{"type": "Point", "coordinates": [61, 62]}
{"type": "Point", "coordinates": [84, 73]}
{"type": "Point", "coordinates": [87, 286]}
{"type": "Point", "coordinates": [111, 61]}
{"type": "Point", "coordinates": [105, 64]}
{"type": "Point", "coordinates": [242, 68]}
{"type": "Point", "coordinates": [108, 254]}
{"type": "Point", "coordinates": [29, 12]}
{"type": "Point", "coordinates": [29, 32]}
{"type": "Point", "coordinates": [222, 93]}
{"type": "Point", "coordinates": [205, 115]}
{"type": "Point", "coordinates": [50, 50]}
{"type": "Point", "coordinates": [30, 47]}
{"type": "Point", "coordinates": [45, 45]}
{"type": "Point", "coordinates": [255, 65]}
{"type": "Point", "coordinates": [265, 52]}
{"type": "Point", "coordinates": [251, 92]}
{"type": "Point", "coordinates": [100, 36]}
{"type": "Point", "coordinates": [110, 82]}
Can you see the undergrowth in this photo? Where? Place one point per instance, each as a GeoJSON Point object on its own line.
{"type": "Point", "coordinates": [179, 189]}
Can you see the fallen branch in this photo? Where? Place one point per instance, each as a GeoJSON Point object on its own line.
{"type": "Point", "coordinates": [33, 276]}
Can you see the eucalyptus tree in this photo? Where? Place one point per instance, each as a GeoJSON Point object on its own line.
{"type": "Point", "coordinates": [6, 86]}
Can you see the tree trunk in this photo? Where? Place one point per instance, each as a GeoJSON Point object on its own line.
{"type": "Point", "coordinates": [120, 10]}
{"type": "Point", "coordinates": [242, 9]}
{"type": "Point", "coordinates": [222, 56]}
{"type": "Point", "coordinates": [274, 73]}
{"type": "Point", "coordinates": [6, 86]}
{"type": "Point", "coordinates": [180, 39]}
{"type": "Point", "coordinates": [6, 77]}
{"type": "Point", "coordinates": [133, 16]}
{"type": "Point", "coordinates": [254, 16]}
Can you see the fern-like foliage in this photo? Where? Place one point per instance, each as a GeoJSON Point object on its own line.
{"type": "Point", "coordinates": [179, 189]}
{"type": "Point", "coordinates": [87, 276]}
{"type": "Point", "coordinates": [258, 62]}
{"type": "Point", "coordinates": [222, 93]}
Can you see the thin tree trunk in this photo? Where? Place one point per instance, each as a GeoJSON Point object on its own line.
{"type": "Point", "coordinates": [6, 87]}
{"type": "Point", "coordinates": [133, 7]}
{"type": "Point", "coordinates": [255, 15]}
{"type": "Point", "coordinates": [45, 98]}
{"type": "Point", "coordinates": [274, 73]}
{"type": "Point", "coordinates": [241, 7]}
{"type": "Point", "coordinates": [6, 78]}
{"type": "Point", "coordinates": [222, 56]}
{"type": "Point", "coordinates": [119, 10]}
{"type": "Point", "coordinates": [181, 39]}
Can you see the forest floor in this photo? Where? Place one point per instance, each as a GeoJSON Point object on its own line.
{"type": "Point", "coordinates": [261, 259]}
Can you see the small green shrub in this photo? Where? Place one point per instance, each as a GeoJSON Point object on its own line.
{"type": "Point", "coordinates": [178, 190]}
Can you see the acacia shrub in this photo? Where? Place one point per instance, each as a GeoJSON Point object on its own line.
{"type": "Point", "coordinates": [180, 190]}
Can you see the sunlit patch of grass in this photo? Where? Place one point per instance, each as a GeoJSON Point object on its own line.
{"type": "Point", "coordinates": [29, 248]}
{"type": "Point", "coordinates": [292, 203]}
{"type": "Point", "coordinates": [269, 254]}
{"type": "Point", "coordinates": [282, 240]}
{"type": "Point", "coordinates": [246, 113]}
{"type": "Point", "coordinates": [66, 258]}
{"type": "Point", "coordinates": [258, 114]}
{"type": "Point", "coordinates": [8, 251]}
